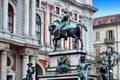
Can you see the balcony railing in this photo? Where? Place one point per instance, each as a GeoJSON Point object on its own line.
{"type": "Point", "coordinates": [109, 40]}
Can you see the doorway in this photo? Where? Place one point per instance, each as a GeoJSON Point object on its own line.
{"type": "Point", "coordinates": [9, 77]}
{"type": "Point", "coordinates": [39, 71]}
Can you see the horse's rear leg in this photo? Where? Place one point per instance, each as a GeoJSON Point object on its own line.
{"type": "Point", "coordinates": [55, 44]}
{"type": "Point", "coordinates": [76, 44]}
{"type": "Point", "coordinates": [81, 43]}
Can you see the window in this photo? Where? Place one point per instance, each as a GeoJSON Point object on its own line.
{"type": "Point", "coordinates": [97, 36]}
{"type": "Point", "coordinates": [57, 10]}
{"type": "Point", "coordinates": [110, 35]}
{"type": "Point", "coordinates": [37, 3]}
{"type": "Point", "coordinates": [10, 18]}
{"type": "Point", "coordinates": [75, 16]}
{"type": "Point", "coordinates": [38, 28]}
{"type": "Point", "coordinates": [97, 51]}
{"type": "Point", "coordinates": [111, 20]}
{"type": "Point", "coordinates": [8, 61]}
{"type": "Point", "coordinates": [100, 21]}
{"type": "Point", "coordinates": [9, 77]}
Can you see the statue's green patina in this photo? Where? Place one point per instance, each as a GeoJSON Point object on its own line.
{"type": "Point", "coordinates": [63, 65]}
{"type": "Point", "coordinates": [70, 30]}
{"type": "Point", "coordinates": [30, 71]}
{"type": "Point", "coordinates": [63, 30]}
{"type": "Point", "coordinates": [104, 70]}
{"type": "Point", "coordinates": [83, 68]}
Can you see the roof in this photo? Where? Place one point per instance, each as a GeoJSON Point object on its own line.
{"type": "Point", "coordinates": [106, 20]}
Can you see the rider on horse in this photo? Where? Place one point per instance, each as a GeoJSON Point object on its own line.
{"type": "Point", "coordinates": [64, 22]}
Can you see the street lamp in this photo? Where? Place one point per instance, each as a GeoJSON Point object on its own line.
{"type": "Point", "coordinates": [109, 59]}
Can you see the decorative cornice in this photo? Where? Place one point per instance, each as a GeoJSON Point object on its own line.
{"type": "Point", "coordinates": [83, 5]}
{"type": "Point", "coordinates": [90, 8]}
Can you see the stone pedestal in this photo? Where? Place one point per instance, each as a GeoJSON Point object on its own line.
{"type": "Point", "coordinates": [60, 77]}
{"type": "Point", "coordinates": [73, 56]}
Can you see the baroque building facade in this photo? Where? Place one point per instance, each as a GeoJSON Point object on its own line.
{"type": "Point", "coordinates": [106, 33]}
{"type": "Point", "coordinates": [24, 35]}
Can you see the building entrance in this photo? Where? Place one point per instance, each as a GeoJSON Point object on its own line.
{"type": "Point", "coordinates": [39, 71]}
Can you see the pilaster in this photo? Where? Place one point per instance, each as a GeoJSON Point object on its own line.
{"type": "Point", "coordinates": [0, 14]}
{"type": "Point", "coordinates": [47, 22]}
{"type": "Point", "coordinates": [5, 15]}
{"type": "Point", "coordinates": [26, 17]}
{"type": "Point", "coordinates": [33, 17]}
{"type": "Point", "coordinates": [4, 65]}
{"type": "Point", "coordinates": [25, 67]}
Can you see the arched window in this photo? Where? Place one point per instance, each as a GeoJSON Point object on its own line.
{"type": "Point", "coordinates": [37, 3]}
{"type": "Point", "coordinates": [10, 18]}
{"type": "Point", "coordinates": [38, 28]}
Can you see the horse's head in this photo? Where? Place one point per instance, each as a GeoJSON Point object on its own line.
{"type": "Point", "coordinates": [54, 26]}
{"type": "Point", "coordinates": [82, 25]}
{"type": "Point", "coordinates": [51, 29]}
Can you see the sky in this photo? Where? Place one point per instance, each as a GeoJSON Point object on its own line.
{"type": "Point", "coordinates": [106, 7]}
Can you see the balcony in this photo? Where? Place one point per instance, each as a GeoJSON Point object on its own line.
{"type": "Point", "coordinates": [109, 40]}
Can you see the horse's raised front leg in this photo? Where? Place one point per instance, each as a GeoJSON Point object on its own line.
{"type": "Point", "coordinates": [55, 44]}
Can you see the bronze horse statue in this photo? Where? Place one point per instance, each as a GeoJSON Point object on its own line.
{"type": "Point", "coordinates": [71, 30]}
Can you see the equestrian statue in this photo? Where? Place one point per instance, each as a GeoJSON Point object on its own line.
{"type": "Point", "coordinates": [64, 30]}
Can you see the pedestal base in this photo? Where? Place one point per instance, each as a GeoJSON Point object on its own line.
{"type": "Point", "coordinates": [67, 76]}
{"type": "Point", "coordinates": [73, 56]}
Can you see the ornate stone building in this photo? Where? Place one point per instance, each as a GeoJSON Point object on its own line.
{"type": "Point", "coordinates": [106, 33]}
{"type": "Point", "coordinates": [24, 35]}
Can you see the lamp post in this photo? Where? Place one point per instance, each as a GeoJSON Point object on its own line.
{"type": "Point", "coordinates": [109, 59]}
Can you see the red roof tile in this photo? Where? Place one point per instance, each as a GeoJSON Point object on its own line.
{"type": "Point", "coordinates": [106, 19]}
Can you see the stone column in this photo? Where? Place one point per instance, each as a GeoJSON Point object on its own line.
{"type": "Point", "coordinates": [26, 17]}
{"type": "Point", "coordinates": [47, 22]}
{"type": "Point", "coordinates": [84, 37]}
{"type": "Point", "coordinates": [25, 67]}
{"type": "Point", "coordinates": [62, 43]}
{"type": "Point", "coordinates": [89, 37]}
{"type": "Point", "coordinates": [67, 44]}
{"type": "Point", "coordinates": [0, 14]}
{"type": "Point", "coordinates": [32, 60]}
{"type": "Point", "coordinates": [33, 18]}
{"type": "Point", "coordinates": [5, 15]}
{"type": "Point", "coordinates": [4, 65]}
